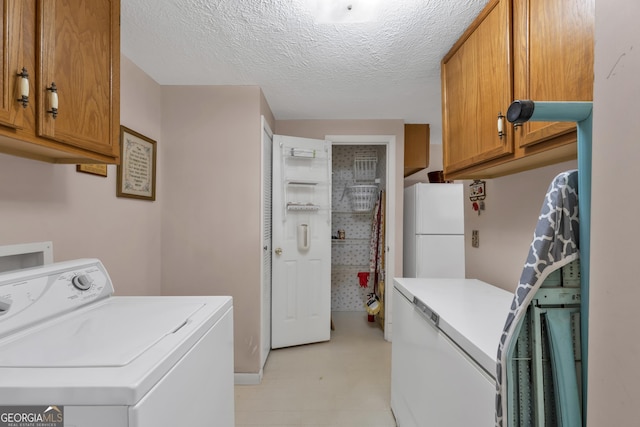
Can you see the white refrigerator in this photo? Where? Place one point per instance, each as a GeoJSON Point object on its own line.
{"type": "Point", "coordinates": [434, 231]}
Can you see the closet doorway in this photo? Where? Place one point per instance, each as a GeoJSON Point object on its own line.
{"type": "Point", "coordinates": [362, 255]}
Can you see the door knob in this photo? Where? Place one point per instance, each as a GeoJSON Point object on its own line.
{"type": "Point", "coordinates": [278, 251]}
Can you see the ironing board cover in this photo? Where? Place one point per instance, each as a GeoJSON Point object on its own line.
{"type": "Point", "coordinates": [555, 244]}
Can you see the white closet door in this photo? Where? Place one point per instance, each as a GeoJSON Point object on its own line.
{"type": "Point", "coordinates": [301, 264]}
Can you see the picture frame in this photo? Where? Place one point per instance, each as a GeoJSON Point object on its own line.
{"type": "Point", "coordinates": [136, 176]}
{"type": "Point", "coordinates": [93, 169]}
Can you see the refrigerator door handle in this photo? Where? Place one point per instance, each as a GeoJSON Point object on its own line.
{"type": "Point", "coordinates": [426, 312]}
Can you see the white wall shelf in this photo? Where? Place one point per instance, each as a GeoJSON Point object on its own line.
{"type": "Point", "coordinates": [301, 183]}
{"type": "Point", "coordinates": [350, 213]}
{"type": "Point", "coordinates": [350, 241]}
{"type": "Point", "coordinates": [291, 206]}
{"type": "Point", "coordinates": [348, 267]}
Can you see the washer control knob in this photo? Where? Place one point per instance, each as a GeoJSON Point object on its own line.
{"type": "Point", "coordinates": [5, 305]}
{"type": "Point", "coordinates": [82, 282]}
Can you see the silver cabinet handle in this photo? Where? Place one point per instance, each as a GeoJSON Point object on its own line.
{"type": "Point", "coordinates": [426, 311]}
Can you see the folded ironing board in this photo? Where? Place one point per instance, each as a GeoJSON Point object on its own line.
{"type": "Point", "coordinates": [555, 244]}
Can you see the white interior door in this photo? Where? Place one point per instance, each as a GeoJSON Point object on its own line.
{"type": "Point", "coordinates": [301, 241]}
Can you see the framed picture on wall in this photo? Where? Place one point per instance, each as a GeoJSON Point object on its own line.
{"type": "Point", "coordinates": [137, 169]}
{"type": "Point", "coordinates": [93, 169]}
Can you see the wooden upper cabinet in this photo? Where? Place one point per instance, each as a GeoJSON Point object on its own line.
{"type": "Point", "coordinates": [554, 61]}
{"type": "Point", "coordinates": [416, 148]}
{"type": "Point", "coordinates": [76, 45]}
{"type": "Point", "coordinates": [540, 50]}
{"type": "Point", "coordinates": [79, 52]}
{"type": "Point", "coordinates": [476, 89]}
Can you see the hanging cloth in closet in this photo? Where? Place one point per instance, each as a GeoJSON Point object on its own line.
{"type": "Point", "coordinates": [382, 256]}
{"type": "Point", "coordinates": [376, 248]}
{"type": "Point", "coordinates": [555, 244]}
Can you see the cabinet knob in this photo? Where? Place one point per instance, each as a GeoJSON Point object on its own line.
{"type": "Point", "coordinates": [53, 100]}
{"type": "Point", "coordinates": [23, 87]}
{"type": "Point", "coordinates": [278, 251]}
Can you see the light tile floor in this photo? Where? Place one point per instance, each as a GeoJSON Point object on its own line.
{"type": "Point", "coordinates": [343, 382]}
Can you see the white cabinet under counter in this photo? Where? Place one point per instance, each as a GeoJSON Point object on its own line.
{"type": "Point", "coordinates": [445, 340]}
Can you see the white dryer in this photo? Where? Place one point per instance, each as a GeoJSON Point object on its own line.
{"type": "Point", "coordinates": [104, 361]}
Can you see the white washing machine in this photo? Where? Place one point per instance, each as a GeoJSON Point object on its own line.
{"type": "Point", "coordinates": [104, 361]}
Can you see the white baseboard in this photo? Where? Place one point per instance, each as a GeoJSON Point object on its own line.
{"type": "Point", "coordinates": [247, 379]}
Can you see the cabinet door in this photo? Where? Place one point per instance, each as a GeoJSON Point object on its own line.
{"type": "Point", "coordinates": [476, 89]}
{"type": "Point", "coordinates": [553, 41]}
{"type": "Point", "coordinates": [416, 148]}
{"type": "Point", "coordinates": [11, 111]}
{"type": "Point", "coordinates": [86, 76]}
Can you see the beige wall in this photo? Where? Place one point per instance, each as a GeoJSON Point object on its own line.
{"type": "Point", "coordinates": [614, 338]}
{"type": "Point", "coordinates": [506, 226]}
{"type": "Point", "coordinates": [80, 213]}
{"type": "Point", "coordinates": [211, 193]}
{"type": "Point", "coordinates": [319, 128]}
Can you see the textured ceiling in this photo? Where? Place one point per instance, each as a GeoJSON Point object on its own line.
{"type": "Point", "coordinates": [388, 68]}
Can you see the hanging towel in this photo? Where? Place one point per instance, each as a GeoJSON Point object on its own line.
{"type": "Point", "coordinates": [555, 244]}
{"type": "Point", "coordinates": [363, 277]}
{"type": "Point", "coordinates": [373, 243]}
{"type": "Point", "coordinates": [376, 246]}
{"type": "Point", "coordinates": [381, 265]}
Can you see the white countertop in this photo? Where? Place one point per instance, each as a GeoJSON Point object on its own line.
{"type": "Point", "coordinates": [472, 313]}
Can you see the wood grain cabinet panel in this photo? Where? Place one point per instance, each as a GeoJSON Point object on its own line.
{"type": "Point", "coordinates": [76, 45]}
{"type": "Point", "coordinates": [416, 148]}
{"type": "Point", "coordinates": [11, 110]}
{"type": "Point", "coordinates": [555, 61]}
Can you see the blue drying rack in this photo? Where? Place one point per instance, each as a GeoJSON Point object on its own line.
{"type": "Point", "coordinates": [559, 321]}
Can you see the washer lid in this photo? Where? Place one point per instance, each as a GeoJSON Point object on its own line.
{"type": "Point", "coordinates": [106, 335]}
